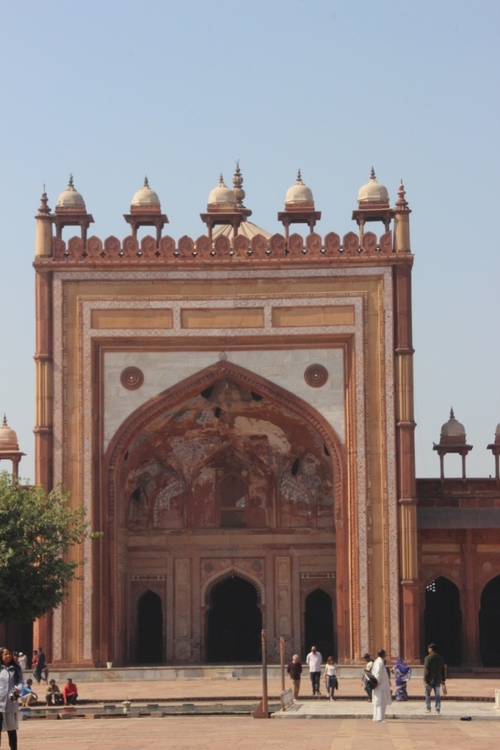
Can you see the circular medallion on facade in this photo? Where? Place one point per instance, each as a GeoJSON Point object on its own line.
{"type": "Point", "coordinates": [223, 356]}
{"type": "Point", "coordinates": [132, 378]}
{"type": "Point", "coordinates": [208, 567]}
{"type": "Point", "coordinates": [256, 566]}
{"type": "Point", "coordinates": [487, 567]}
{"type": "Point", "coordinates": [316, 376]}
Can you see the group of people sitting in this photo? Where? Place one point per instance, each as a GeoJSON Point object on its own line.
{"type": "Point", "coordinates": [53, 697]}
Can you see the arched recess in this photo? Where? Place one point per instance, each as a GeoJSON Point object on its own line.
{"type": "Point", "coordinates": [318, 623]}
{"type": "Point", "coordinates": [443, 619]}
{"type": "Point", "coordinates": [233, 621]}
{"type": "Point", "coordinates": [149, 630]}
{"type": "Point", "coordinates": [132, 431]}
{"type": "Point", "coordinates": [489, 624]}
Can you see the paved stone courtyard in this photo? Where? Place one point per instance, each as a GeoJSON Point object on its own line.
{"type": "Point", "coordinates": [246, 733]}
{"type": "Point", "coordinates": [235, 733]}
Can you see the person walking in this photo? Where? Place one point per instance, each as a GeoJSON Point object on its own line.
{"type": "Point", "coordinates": [23, 661]}
{"type": "Point", "coordinates": [366, 683]}
{"type": "Point", "coordinates": [294, 669]}
{"type": "Point", "coordinates": [381, 696]}
{"type": "Point", "coordinates": [434, 677]}
{"type": "Point", "coordinates": [40, 671]}
{"type": "Point", "coordinates": [11, 684]}
{"type": "Point", "coordinates": [331, 681]}
{"type": "Point", "coordinates": [314, 660]}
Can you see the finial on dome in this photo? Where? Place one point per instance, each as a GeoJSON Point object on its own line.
{"type": "Point", "coordinates": [299, 178]}
{"type": "Point", "coordinates": [146, 181]}
{"type": "Point", "coordinates": [372, 174]}
{"type": "Point", "coordinates": [4, 423]}
{"type": "Point", "coordinates": [221, 180]}
{"type": "Point", "coordinates": [452, 413]}
{"type": "Point", "coordinates": [70, 183]}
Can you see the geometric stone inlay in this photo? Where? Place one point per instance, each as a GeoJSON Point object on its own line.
{"type": "Point", "coordinates": [132, 378]}
{"type": "Point", "coordinates": [316, 376]}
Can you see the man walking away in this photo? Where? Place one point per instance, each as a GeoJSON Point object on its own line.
{"type": "Point", "coordinates": [368, 668]}
{"type": "Point", "coordinates": [294, 669]}
{"type": "Point", "coordinates": [314, 660]}
{"type": "Point", "coordinates": [434, 677]}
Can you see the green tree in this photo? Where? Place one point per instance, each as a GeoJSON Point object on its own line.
{"type": "Point", "coordinates": [37, 530]}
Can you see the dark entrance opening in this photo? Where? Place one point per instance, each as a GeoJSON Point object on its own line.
{"type": "Point", "coordinates": [149, 648]}
{"type": "Point", "coordinates": [443, 620]}
{"type": "Point", "coordinates": [319, 623]}
{"type": "Point", "coordinates": [234, 623]}
{"type": "Point", "coordinates": [489, 624]}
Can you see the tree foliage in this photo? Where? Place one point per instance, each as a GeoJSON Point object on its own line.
{"type": "Point", "coordinates": [37, 530]}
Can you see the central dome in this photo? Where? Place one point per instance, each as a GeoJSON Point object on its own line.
{"type": "Point", "coordinates": [221, 195]}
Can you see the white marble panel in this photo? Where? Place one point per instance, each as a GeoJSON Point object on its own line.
{"type": "Point", "coordinates": [162, 370]}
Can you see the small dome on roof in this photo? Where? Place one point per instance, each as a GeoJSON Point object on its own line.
{"type": "Point", "coordinates": [145, 196]}
{"type": "Point", "coordinates": [373, 191]}
{"type": "Point", "coordinates": [221, 195]}
{"type": "Point", "coordinates": [298, 193]}
{"type": "Point", "coordinates": [8, 437]}
{"type": "Point", "coordinates": [452, 429]}
{"type": "Point", "coordinates": [71, 198]}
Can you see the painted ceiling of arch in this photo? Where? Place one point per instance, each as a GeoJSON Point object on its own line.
{"type": "Point", "coordinates": [176, 470]}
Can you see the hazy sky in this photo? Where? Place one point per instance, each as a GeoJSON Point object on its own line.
{"type": "Point", "coordinates": [111, 91]}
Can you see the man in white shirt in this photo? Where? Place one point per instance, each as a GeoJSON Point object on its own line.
{"type": "Point", "coordinates": [314, 660]}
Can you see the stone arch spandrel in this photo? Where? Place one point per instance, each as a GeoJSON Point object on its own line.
{"type": "Point", "coordinates": [137, 421]}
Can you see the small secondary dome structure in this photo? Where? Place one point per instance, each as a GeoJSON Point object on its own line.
{"type": "Point", "coordinates": [145, 197]}
{"type": "Point", "coordinates": [452, 432]}
{"type": "Point", "coordinates": [8, 437]}
{"type": "Point", "coordinates": [299, 194]}
{"type": "Point", "coordinates": [373, 192]}
{"type": "Point", "coordinates": [71, 199]}
{"type": "Point", "coordinates": [221, 196]}
{"type": "Point", "coordinates": [145, 211]}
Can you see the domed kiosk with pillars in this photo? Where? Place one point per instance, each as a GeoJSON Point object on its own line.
{"type": "Point", "coordinates": [211, 400]}
{"type": "Point", "coordinates": [9, 447]}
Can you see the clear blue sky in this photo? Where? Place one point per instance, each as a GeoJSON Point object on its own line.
{"type": "Point", "coordinates": [179, 90]}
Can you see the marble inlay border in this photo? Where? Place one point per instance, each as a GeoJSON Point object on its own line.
{"type": "Point", "coordinates": [384, 273]}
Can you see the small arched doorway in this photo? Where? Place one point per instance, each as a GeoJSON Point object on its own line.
{"type": "Point", "coordinates": [234, 623]}
{"type": "Point", "coordinates": [443, 620]}
{"type": "Point", "coordinates": [149, 643]}
{"type": "Point", "coordinates": [319, 623]}
{"type": "Point", "coordinates": [489, 624]}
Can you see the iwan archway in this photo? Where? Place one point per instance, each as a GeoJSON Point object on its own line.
{"type": "Point", "coordinates": [223, 472]}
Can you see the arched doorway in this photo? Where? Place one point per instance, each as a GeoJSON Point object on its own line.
{"type": "Point", "coordinates": [489, 624]}
{"type": "Point", "coordinates": [443, 620]}
{"type": "Point", "coordinates": [234, 622]}
{"type": "Point", "coordinates": [149, 643]}
{"type": "Point", "coordinates": [319, 623]}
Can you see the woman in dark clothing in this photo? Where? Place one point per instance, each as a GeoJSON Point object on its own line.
{"type": "Point", "coordinates": [11, 684]}
{"type": "Point", "coordinates": [402, 673]}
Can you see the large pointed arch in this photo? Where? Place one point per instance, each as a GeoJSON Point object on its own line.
{"type": "Point", "coordinates": [152, 410]}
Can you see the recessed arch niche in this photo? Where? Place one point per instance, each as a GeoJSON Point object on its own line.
{"type": "Point", "coordinates": [223, 450]}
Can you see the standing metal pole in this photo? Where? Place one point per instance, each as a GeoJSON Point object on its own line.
{"type": "Point", "coordinates": [282, 662]}
{"type": "Point", "coordinates": [264, 674]}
